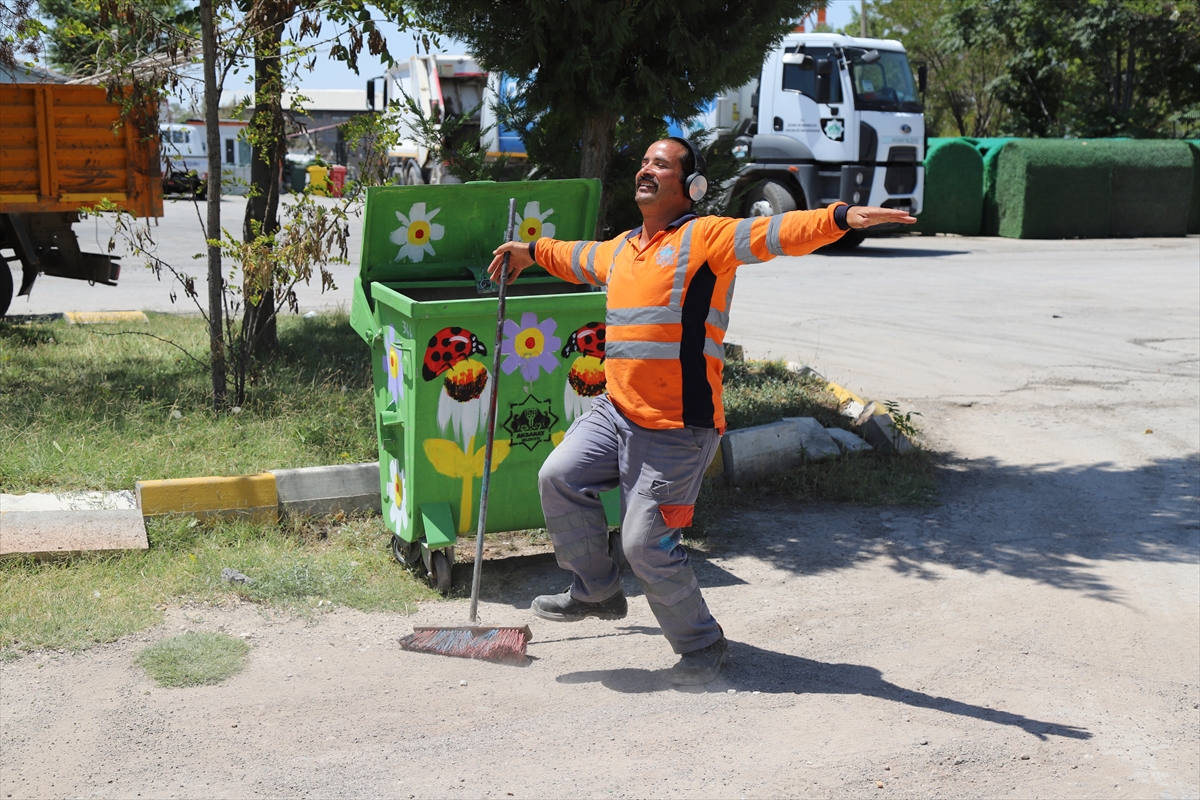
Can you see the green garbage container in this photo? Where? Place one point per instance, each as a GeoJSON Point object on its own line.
{"type": "Point", "coordinates": [424, 305]}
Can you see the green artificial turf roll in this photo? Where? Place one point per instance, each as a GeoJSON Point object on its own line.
{"type": "Point", "coordinates": [1092, 188]}
{"type": "Point", "coordinates": [953, 188]}
{"type": "Point", "coordinates": [990, 149]}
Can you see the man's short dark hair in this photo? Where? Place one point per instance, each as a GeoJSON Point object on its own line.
{"type": "Point", "coordinates": [688, 162]}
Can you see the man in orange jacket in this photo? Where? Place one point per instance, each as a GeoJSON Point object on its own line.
{"type": "Point", "coordinates": [670, 285]}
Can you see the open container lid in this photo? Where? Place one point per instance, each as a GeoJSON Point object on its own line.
{"type": "Point", "coordinates": [420, 234]}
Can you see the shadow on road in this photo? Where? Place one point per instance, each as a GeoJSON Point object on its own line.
{"type": "Point", "coordinates": [754, 669]}
{"type": "Point", "coordinates": [891, 252]}
{"type": "Point", "coordinates": [1043, 523]}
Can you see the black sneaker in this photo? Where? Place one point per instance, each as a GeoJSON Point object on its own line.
{"type": "Point", "coordinates": [700, 666]}
{"type": "Point", "coordinates": [564, 608]}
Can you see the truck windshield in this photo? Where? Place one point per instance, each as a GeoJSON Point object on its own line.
{"type": "Point", "coordinates": [886, 85]}
{"type": "Point", "coordinates": [803, 79]}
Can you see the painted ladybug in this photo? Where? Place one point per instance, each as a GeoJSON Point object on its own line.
{"type": "Point", "coordinates": [448, 347]}
{"type": "Point", "coordinates": [588, 340]}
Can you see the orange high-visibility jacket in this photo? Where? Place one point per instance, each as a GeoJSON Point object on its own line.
{"type": "Point", "coordinates": [668, 304]}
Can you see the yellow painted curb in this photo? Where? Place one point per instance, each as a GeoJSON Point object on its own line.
{"type": "Point", "coordinates": [254, 496]}
{"type": "Point", "coordinates": [844, 395]}
{"type": "Point", "coordinates": [94, 317]}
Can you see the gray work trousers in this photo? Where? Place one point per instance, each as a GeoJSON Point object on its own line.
{"type": "Point", "coordinates": [659, 472]}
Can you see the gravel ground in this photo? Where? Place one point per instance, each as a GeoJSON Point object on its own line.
{"type": "Point", "coordinates": [1036, 634]}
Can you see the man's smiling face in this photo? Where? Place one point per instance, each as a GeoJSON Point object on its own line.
{"type": "Point", "coordinates": [659, 183]}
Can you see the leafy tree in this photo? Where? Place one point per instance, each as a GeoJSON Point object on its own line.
{"type": "Point", "coordinates": [1091, 67]}
{"type": "Point", "coordinates": [962, 97]}
{"type": "Point", "coordinates": [591, 69]}
{"type": "Point", "coordinates": [21, 33]}
{"type": "Point", "coordinates": [80, 30]}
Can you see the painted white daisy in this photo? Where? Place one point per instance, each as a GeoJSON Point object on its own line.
{"type": "Point", "coordinates": [397, 497]}
{"type": "Point", "coordinates": [534, 226]}
{"type": "Point", "coordinates": [393, 365]}
{"type": "Point", "coordinates": [417, 232]}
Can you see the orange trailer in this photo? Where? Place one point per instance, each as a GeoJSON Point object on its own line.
{"type": "Point", "coordinates": [63, 148]}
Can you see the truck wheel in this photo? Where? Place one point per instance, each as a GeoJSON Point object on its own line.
{"type": "Point", "coordinates": [6, 287]}
{"type": "Point", "coordinates": [768, 199]}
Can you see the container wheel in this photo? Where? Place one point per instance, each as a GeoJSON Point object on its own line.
{"type": "Point", "coordinates": [407, 553]}
{"type": "Point", "coordinates": [439, 575]}
{"type": "Point", "coordinates": [768, 199]}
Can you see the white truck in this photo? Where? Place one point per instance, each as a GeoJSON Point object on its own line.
{"type": "Point", "coordinates": [184, 152]}
{"type": "Point", "coordinates": [830, 117]}
{"type": "Point", "coordinates": [443, 86]}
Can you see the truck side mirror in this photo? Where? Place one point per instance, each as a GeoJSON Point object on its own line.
{"type": "Point", "coordinates": [371, 94]}
{"type": "Point", "coordinates": [800, 59]}
{"type": "Point", "coordinates": [824, 75]}
{"type": "Point", "coordinates": [922, 78]}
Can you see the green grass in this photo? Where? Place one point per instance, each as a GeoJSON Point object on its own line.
{"type": "Point", "coordinates": [194, 659]}
{"type": "Point", "coordinates": [298, 567]}
{"type": "Point", "coordinates": [759, 392]}
{"type": "Point", "coordinates": [84, 409]}
{"type": "Point", "coordinates": [87, 410]}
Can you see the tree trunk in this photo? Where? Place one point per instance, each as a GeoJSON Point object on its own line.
{"type": "Point", "coordinates": [216, 282]}
{"type": "Point", "coordinates": [270, 146]}
{"type": "Point", "coordinates": [599, 131]}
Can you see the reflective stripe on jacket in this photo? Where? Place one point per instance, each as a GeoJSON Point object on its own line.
{"type": "Point", "coordinates": [668, 304]}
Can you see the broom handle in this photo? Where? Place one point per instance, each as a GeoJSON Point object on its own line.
{"type": "Point", "coordinates": [485, 484]}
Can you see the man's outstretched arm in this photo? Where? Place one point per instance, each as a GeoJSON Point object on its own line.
{"type": "Point", "coordinates": [753, 240]}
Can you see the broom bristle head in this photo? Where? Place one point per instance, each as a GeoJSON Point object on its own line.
{"type": "Point", "coordinates": [503, 645]}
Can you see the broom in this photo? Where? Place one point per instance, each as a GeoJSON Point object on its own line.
{"type": "Point", "coordinates": [502, 644]}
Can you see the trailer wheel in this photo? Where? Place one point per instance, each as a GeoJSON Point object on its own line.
{"type": "Point", "coordinates": [768, 199]}
{"type": "Point", "coordinates": [6, 287]}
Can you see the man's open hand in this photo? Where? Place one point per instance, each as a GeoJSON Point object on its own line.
{"type": "Point", "coordinates": [866, 216]}
{"type": "Point", "coordinates": [518, 260]}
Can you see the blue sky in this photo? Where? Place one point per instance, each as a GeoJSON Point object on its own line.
{"type": "Point", "coordinates": [335, 75]}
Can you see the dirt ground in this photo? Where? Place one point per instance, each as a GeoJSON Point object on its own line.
{"type": "Point", "coordinates": [1035, 634]}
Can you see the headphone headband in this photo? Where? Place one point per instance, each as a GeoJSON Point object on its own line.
{"type": "Point", "coordinates": [695, 186]}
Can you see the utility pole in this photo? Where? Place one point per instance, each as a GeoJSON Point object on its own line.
{"type": "Point", "coordinates": [862, 17]}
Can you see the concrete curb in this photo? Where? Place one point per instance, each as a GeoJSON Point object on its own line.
{"type": "Point", "coordinates": [321, 491]}
{"type": "Point", "coordinates": [45, 534]}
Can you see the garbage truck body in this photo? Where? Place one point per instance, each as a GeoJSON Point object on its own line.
{"type": "Point", "coordinates": [63, 148]}
{"type": "Point", "coordinates": [443, 86]}
{"type": "Point", "coordinates": [829, 118]}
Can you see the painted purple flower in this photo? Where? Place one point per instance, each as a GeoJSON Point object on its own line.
{"type": "Point", "coordinates": [530, 346]}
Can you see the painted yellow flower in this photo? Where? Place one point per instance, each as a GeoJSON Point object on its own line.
{"type": "Point", "coordinates": [534, 226]}
{"type": "Point", "coordinates": [416, 233]}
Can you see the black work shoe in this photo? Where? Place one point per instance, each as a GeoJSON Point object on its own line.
{"type": "Point", "coordinates": [700, 666]}
{"type": "Point", "coordinates": [564, 608]}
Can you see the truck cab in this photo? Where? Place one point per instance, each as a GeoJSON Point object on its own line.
{"type": "Point", "coordinates": [443, 85]}
{"type": "Point", "coordinates": [184, 158]}
{"type": "Point", "coordinates": [831, 117]}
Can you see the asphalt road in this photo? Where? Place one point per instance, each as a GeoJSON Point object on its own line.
{"type": "Point", "coordinates": [178, 237]}
{"type": "Point", "coordinates": [1036, 633]}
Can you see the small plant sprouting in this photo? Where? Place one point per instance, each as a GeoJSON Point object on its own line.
{"type": "Point", "coordinates": [902, 423]}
